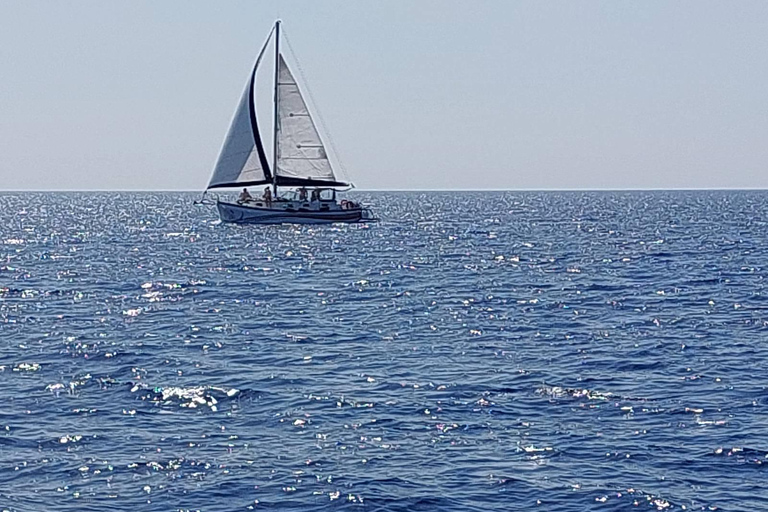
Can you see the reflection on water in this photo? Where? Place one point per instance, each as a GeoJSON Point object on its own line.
{"type": "Point", "coordinates": [472, 351]}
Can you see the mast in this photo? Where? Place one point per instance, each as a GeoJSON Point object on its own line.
{"type": "Point", "coordinates": [276, 120]}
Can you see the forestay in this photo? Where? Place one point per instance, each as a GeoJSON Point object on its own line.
{"type": "Point", "coordinates": [301, 156]}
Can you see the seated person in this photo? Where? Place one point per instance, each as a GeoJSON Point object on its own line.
{"type": "Point", "coordinates": [244, 196]}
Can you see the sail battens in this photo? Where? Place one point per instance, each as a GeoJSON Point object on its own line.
{"type": "Point", "coordinates": [301, 156]}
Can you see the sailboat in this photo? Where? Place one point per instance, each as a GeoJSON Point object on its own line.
{"type": "Point", "coordinates": [301, 185]}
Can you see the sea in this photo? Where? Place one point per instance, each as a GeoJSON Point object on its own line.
{"type": "Point", "coordinates": [471, 351]}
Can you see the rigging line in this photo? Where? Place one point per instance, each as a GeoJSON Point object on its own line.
{"type": "Point", "coordinates": [316, 110]}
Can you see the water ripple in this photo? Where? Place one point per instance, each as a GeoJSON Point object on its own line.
{"type": "Point", "coordinates": [472, 351]}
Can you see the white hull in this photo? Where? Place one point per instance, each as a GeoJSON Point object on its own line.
{"type": "Point", "coordinates": [290, 212]}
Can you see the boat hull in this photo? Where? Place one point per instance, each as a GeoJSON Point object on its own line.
{"type": "Point", "coordinates": [242, 214]}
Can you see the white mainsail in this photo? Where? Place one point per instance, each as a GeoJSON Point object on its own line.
{"type": "Point", "coordinates": [301, 154]}
{"type": "Point", "coordinates": [242, 160]}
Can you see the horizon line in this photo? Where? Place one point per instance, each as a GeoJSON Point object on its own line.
{"type": "Point", "coordinates": [631, 189]}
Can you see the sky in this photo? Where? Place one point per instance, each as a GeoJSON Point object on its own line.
{"type": "Point", "coordinates": [448, 94]}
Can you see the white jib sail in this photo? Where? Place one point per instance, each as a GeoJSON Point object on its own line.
{"type": "Point", "coordinates": [300, 151]}
{"type": "Point", "coordinates": [239, 160]}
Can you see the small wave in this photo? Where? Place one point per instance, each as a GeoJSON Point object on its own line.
{"type": "Point", "coordinates": [186, 397]}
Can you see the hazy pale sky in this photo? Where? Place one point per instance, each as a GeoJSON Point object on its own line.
{"type": "Point", "coordinates": [415, 94]}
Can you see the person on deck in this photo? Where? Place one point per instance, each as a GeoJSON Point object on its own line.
{"type": "Point", "coordinates": [244, 196]}
{"type": "Point", "coordinates": [315, 194]}
{"type": "Point", "coordinates": [267, 196]}
{"type": "Point", "coordinates": [303, 194]}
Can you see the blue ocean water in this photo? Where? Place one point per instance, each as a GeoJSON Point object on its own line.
{"type": "Point", "coordinates": [472, 351]}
